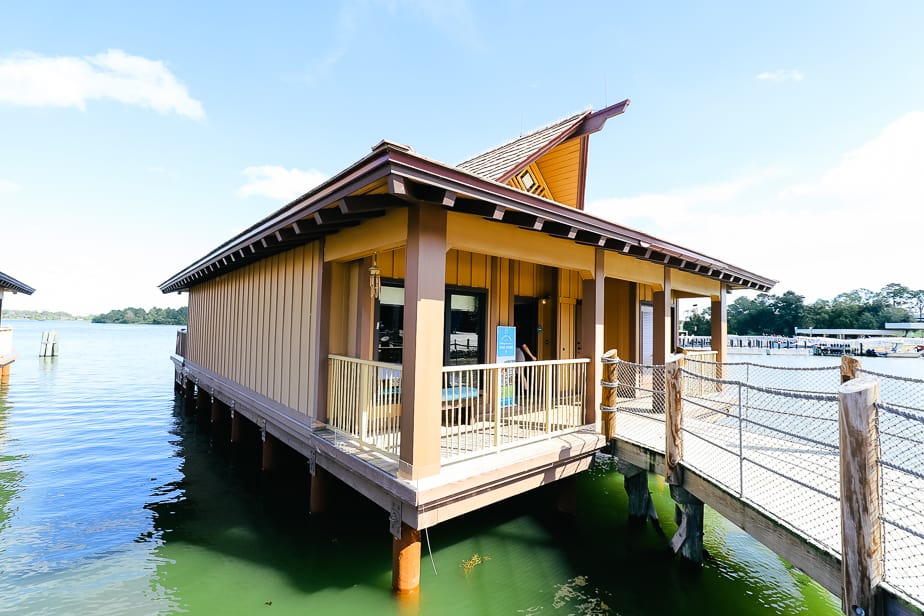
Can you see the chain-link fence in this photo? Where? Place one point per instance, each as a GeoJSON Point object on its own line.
{"type": "Point", "coordinates": [901, 468]}
{"type": "Point", "coordinates": [770, 435]}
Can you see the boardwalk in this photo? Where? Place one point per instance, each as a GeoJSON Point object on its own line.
{"type": "Point", "coordinates": [775, 452]}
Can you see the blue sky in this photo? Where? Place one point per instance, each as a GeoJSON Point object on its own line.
{"type": "Point", "coordinates": [786, 138]}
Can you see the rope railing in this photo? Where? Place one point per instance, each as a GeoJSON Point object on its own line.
{"type": "Point", "coordinates": [771, 436]}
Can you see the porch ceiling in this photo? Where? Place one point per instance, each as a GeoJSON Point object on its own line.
{"type": "Point", "coordinates": [400, 176]}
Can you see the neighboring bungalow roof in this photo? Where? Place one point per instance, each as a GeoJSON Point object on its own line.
{"type": "Point", "coordinates": [505, 161]}
{"type": "Point", "coordinates": [8, 283]}
{"type": "Point", "coordinates": [335, 204]}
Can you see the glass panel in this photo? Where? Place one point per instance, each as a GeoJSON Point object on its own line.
{"type": "Point", "coordinates": [389, 329]}
{"type": "Point", "coordinates": [465, 329]}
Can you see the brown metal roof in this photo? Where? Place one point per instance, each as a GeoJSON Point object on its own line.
{"type": "Point", "coordinates": [333, 205]}
{"type": "Point", "coordinates": [8, 283]}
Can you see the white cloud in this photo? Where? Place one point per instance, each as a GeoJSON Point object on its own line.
{"type": "Point", "coordinates": [781, 75]}
{"type": "Point", "coordinates": [886, 172]}
{"type": "Point", "coordinates": [278, 182]}
{"type": "Point", "coordinates": [32, 80]}
{"type": "Point", "coordinates": [854, 226]}
{"type": "Point", "coordinates": [8, 186]}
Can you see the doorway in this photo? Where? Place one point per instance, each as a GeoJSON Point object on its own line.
{"type": "Point", "coordinates": [526, 319]}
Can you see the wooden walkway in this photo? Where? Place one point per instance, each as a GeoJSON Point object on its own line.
{"type": "Point", "coordinates": [785, 493]}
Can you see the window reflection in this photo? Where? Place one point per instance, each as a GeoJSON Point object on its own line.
{"type": "Point", "coordinates": [389, 326]}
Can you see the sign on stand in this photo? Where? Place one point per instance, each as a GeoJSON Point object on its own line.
{"type": "Point", "coordinates": [507, 354]}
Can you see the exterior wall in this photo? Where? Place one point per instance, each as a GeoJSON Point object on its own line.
{"type": "Point", "coordinates": [561, 170]}
{"type": "Point", "coordinates": [255, 326]}
{"type": "Point", "coordinates": [621, 318]}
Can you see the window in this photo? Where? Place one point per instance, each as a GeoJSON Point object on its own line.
{"type": "Point", "coordinates": [464, 329]}
{"type": "Point", "coordinates": [389, 323]}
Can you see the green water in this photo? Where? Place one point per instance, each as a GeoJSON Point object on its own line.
{"type": "Point", "coordinates": [114, 501]}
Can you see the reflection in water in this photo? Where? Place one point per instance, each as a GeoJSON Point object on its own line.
{"type": "Point", "coordinates": [10, 475]}
{"type": "Point", "coordinates": [115, 502]}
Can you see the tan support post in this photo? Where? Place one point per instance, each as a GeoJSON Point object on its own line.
{"type": "Point", "coordinates": [861, 529]}
{"type": "Point", "coordinates": [405, 561]}
{"type": "Point", "coordinates": [421, 376]}
{"type": "Point", "coordinates": [673, 422]}
{"type": "Point", "coordinates": [608, 405]}
{"type": "Point", "coordinates": [662, 321]}
{"type": "Point", "coordinates": [850, 366]}
{"type": "Point", "coordinates": [719, 316]}
{"type": "Point", "coordinates": [592, 338]}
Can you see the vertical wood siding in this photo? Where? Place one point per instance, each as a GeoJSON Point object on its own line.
{"type": "Point", "coordinates": [560, 169]}
{"type": "Point", "coordinates": [253, 326]}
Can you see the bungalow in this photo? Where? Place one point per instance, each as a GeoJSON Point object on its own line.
{"type": "Point", "coordinates": [369, 324]}
{"type": "Point", "coordinates": [7, 356]}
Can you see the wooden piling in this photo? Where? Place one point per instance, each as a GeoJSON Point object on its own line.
{"type": "Point", "coordinates": [673, 421]}
{"type": "Point", "coordinates": [635, 481]}
{"type": "Point", "coordinates": [850, 366]}
{"type": "Point", "coordinates": [318, 496]}
{"type": "Point", "coordinates": [610, 361]}
{"type": "Point", "coordinates": [236, 427]}
{"type": "Point", "coordinates": [405, 562]}
{"type": "Point", "coordinates": [862, 560]}
{"type": "Point", "coordinates": [688, 540]}
{"type": "Point", "coordinates": [268, 460]}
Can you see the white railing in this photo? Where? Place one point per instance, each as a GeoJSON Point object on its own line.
{"type": "Point", "coordinates": [364, 402]}
{"type": "Point", "coordinates": [489, 407]}
{"type": "Point", "coordinates": [484, 408]}
{"type": "Point", "coordinates": [6, 341]}
{"type": "Point", "coordinates": [702, 364]}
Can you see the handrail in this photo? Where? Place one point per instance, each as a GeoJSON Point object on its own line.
{"type": "Point", "coordinates": [544, 362]}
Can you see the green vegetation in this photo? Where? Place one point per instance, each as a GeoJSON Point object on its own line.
{"type": "Point", "coordinates": [41, 315]}
{"type": "Point", "coordinates": [154, 316]}
{"type": "Point", "coordinates": [768, 314]}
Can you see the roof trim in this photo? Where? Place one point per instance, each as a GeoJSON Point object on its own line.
{"type": "Point", "coordinates": [300, 222]}
{"type": "Point", "coordinates": [8, 283]}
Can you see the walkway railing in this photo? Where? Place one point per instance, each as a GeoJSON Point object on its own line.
{"type": "Point", "coordinates": [364, 402]}
{"type": "Point", "coordinates": [770, 436]}
{"type": "Point", "coordinates": [489, 407]}
{"type": "Point", "coordinates": [484, 408]}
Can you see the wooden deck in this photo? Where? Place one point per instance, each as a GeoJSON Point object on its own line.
{"type": "Point", "coordinates": [459, 487]}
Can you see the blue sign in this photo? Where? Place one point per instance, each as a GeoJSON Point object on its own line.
{"type": "Point", "coordinates": [506, 344]}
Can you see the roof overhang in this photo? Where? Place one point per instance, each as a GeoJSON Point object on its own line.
{"type": "Point", "coordinates": [8, 283]}
{"type": "Point", "coordinates": [410, 177]}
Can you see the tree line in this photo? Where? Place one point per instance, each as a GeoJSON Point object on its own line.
{"type": "Point", "coordinates": [136, 316]}
{"type": "Point", "coordinates": [768, 314]}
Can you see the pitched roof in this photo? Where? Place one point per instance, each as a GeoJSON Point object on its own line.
{"type": "Point", "coordinates": [501, 162]}
{"type": "Point", "coordinates": [8, 283]}
{"type": "Point", "coordinates": [505, 161]}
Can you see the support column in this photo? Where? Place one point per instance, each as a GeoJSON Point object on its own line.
{"type": "Point", "coordinates": [662, 320]}
{"type": "Point", "coordinates": [268, 459]}
{"type": "Point", "coordinates": [688, 540]}
{"type": "Point", "coordinates": [318, 497]}
{"type": "Point", "coordinates": [566, 502]}
{"type": "Point", "coordinates": [405, 561]}
{"type": "Point", "coordinates": [217, 411]}
{"type": "Point", "coordinates": [862, 557]}
{"type": "Point", "coordinates": [592, 338]}
{"type": "Point", "coordinates": [719, 315]}
{"type": "Point", "coordinates": [635, 481]}
{"type": "Point", "coordinates": [421, 376]}
{"type": "Point", "coordinates": [236, 426]}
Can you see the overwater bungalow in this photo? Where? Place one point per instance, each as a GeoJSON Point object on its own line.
{"type": "Point", "coordinates": [7, 354]}
{"type": "Point", "coordinates": [370, 324]}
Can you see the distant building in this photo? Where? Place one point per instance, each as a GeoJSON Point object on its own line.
{"type": "Point", "coordinates": [7, 355]}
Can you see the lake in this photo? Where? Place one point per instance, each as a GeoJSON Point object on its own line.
{"type": "Point", "coordinates": [114, 501]}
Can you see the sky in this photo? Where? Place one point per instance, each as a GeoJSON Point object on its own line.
{"type": "Point", "coordinates": [785, 138]}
